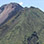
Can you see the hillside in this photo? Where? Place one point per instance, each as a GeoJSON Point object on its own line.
{"type": "Point", "coordinates": [25, 27]}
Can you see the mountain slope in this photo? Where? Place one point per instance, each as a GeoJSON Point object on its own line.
{"type": "Point", "coordinates": [27, 27]}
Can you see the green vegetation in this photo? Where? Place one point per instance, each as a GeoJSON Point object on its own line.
{"type": "Point", "coordinates": [20, 27]}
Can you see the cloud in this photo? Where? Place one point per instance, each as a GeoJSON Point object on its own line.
{"type": "Point", "coordinates": [21, 3]}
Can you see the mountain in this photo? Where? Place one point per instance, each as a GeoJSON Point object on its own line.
{"type": "Point", "coordinates": [24, 27]}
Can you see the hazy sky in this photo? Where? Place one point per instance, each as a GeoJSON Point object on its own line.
{"type": "Point", "coordinates": [28, 3]}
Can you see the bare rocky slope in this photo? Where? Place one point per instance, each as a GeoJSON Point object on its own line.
{"type": "Point", "coordinates": [9, 10]}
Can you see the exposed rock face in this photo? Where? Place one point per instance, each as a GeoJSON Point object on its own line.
{"type": "Point", "coordinates": [8, 10]}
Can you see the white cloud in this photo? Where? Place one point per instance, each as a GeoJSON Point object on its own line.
{"type": "Point", "coordinates": [21, 3]}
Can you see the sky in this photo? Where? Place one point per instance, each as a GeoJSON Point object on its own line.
{"type": "Point", "coordinates": [26, 3]}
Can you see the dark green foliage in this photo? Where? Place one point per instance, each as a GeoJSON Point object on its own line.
{"type": "Point", "coordinates": [33, 39]}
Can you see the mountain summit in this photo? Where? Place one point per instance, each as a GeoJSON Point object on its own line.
{"type": "Point", "coordinates": [9, 10]}
{"type": "Point", "coordinates": [19, 25]}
